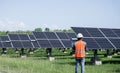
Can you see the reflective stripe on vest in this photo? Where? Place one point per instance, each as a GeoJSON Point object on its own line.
{"type": "Point", "coordinates": [80, 49]}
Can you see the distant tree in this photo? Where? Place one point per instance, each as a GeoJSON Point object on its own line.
{"type": "Point", "coordinates": [47, 29]}
{"type": "Point", "coordinates": [7, 32]}
{"type": "Point", "coordinates": [2, 33]}
{"type": "Point", "coordinates": [70, 30]}
{"type": "Point", "coordinates": [58, 30]}
{"type": "Point", "coordinates": [64, 30]}
{"type": "Point", "coordinates": [38, 29]}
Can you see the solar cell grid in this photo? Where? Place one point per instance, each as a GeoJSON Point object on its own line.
{"type": "Point", "coordinates": [94, 32]}
{"type": "Point", "coordinates": [108, 32]}
{"type": "Point", "coordinates": [50, 35]}
{"type": "Point", "coordinates": [104, 43]}
{"type": "Point", "coordinates": [31, 37]}
{"type": "Point", "coordinates": [91, 43]}
{"type": "Point", "coordinates": [35, 44]}
{"type": "Point", "coordinates": [116, 42]}
{"type": "Point", "coordinates": [56, 44]}
{"type": "Point", "coordinates": [6, 45]}
{"type": "Point", "coordinates": [67, 43]}
{"type": "Point", "coordinates": [17, 44]}
{"type": "Point", "coordinates": [1, 45]}
{"type": "Point", "coordinates": [44, 44]}
{"type": "Point", "coordinates": [23, 37]}
{"type": "Point", "coordinates": [27, 44]}
{"type": "Point", "coordinates": [39, 35]}
{"type": "Point", "coordinates": [117, 31]}
{"type": "Point", "coordinates": [71, 35]}
{"type": "Point", "coordinates": [13, 36]}
{"type": "Point", "coordinates": [81, 30]}
{"type": "Point", "coordinates": [4, 38]}
{"type": "Point", "coordinates": [62, 35]}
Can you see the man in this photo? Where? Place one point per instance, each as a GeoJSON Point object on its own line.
{"type": "Point", "coordinates": [80, 48]}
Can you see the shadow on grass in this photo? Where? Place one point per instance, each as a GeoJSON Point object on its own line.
{"type": "Point", "coordinates": [117, 70]}
{"type": "Point", "coordinates": [111, 62]}
{"type": "Point", "coordinates": [118, 56]}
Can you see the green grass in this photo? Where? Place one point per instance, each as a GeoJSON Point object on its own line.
{"type": "Point", "coordinates": [63, 63]}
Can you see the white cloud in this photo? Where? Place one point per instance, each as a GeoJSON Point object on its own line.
{"type": "Point", "coordinates": [8, 25]}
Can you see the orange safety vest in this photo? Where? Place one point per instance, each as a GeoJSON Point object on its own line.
{"type": "Point", "coordinates": [80, 49]}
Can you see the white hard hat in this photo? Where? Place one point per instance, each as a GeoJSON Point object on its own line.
{"type": "Point", "coordinates": [79, 35]}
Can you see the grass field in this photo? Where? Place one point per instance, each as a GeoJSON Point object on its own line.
{"type": "Point", "coordinates": [63, 63]}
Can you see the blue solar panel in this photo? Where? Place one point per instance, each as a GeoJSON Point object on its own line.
{"type": "Point", "coordinates": [23, 37]}
{"type": "Point", "coordinates": [44, 44]}
{"type": "Point", "coordinates": [4, 38]}
{"type": "Point", "coordinates": [35, 44]}
{"type": "Point", "coordinates": [33, 41]}
{"type": "Point", "coordinates": [116, 42]}
{"type": "Point", "coordinates": [81, 30]}
{"type": "Point", "coordinates": [1, 45]}
{"type": "Point", "coordinates": [71, 35]}
{"type": "Point", "coordinates": [5, 42]}
{"type": "Point", "coordinates": [39, 35]}
{"type": "Point", "coordinates": [6, 45]}
{"type": "Point", "coordinates": [27, 44]}
{"type": "Point", "coordinates": [91, 43]}
{"type": "Point", "coordinates": [17, 44]}
{"type": "Point", "coordinates": [104, 43]}
{"type": "Point", "coordinates": [117, 31]}
{"type": "Point", "coordinates": [31, 37]}
{"type": "Point", "coordinates": [67, 43]}
{"type": "Point", "coordinates": [62, 35]}
{"type": "Point", "coordinates": [94, 32]}
{"type": "Point", "coordinates": [108, 32]}
{"type": "Point", "coordinates": [56, 44]}
{"type": "Point", "coordinates": [13, 36]}
{"type": "Point", "coordinates": [51, 35]}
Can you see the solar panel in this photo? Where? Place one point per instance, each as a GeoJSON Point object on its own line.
{"type": "Point", "coordinates": [17, 44]}
{"type": "Point", "coordinates": [27, 44]}
{"type": "Point", "coordinates": [117, 31]}
{"type": "Point", "coordinates": [33, 41]}
{"type": "Point", "coordinates": [108, 32]}
{"type": "Point", "coordinates": [1, 45]}
{"type": "Point", "coordinates": [71, 35]}
{"type": "Point", "coordinates": [62, 35]}
{"type": "Point", "coordinates": [50, 35]}
{"type": "Point", "coordinates": [104, 43]}
{"type": "Point", "coordinates": [67, 43]}
{"type": "Point", "coordinates": [13, 36]}
{"type": "Point", "coordinates": [23, 37]}
{"type": "Point", "coordinates": [56, 44]}
{"type": "Point", "coordinates": [94, 32]}
{"type": "Point", "coordinates": [91, 43]}
{"type": "Point", "coordinates": [5, 42]}
{"type": "Point", "coordinates": [116, 42]}
{"type": "Point", "coordinates": [4, 38]}
{"type": "Point", "coordinates": [6, 45]}
{"type": "Point", "coordinates": [35, 44]}
{"type": "Point", "coordinates": [39, 35]}
{"type": "Point", "coordinates": [31, 37]}
{"type": "Point", "coordinates": [44, 44]}
{"type": "Point", "coordinates": [81, 30]}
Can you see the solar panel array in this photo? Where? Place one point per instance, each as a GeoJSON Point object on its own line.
{"type": "Point", "coordinates": [100, 38]}
{"type": "Point", "coordinates": [37, 40]}
{"type": "Point", "coordinates": [96, 38]}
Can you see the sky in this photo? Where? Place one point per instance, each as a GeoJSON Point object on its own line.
{"type": "Point", "coordinates": [58, 14]}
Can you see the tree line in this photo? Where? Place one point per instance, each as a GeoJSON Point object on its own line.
{"type": "Point", "coordinates": [36, 29]}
